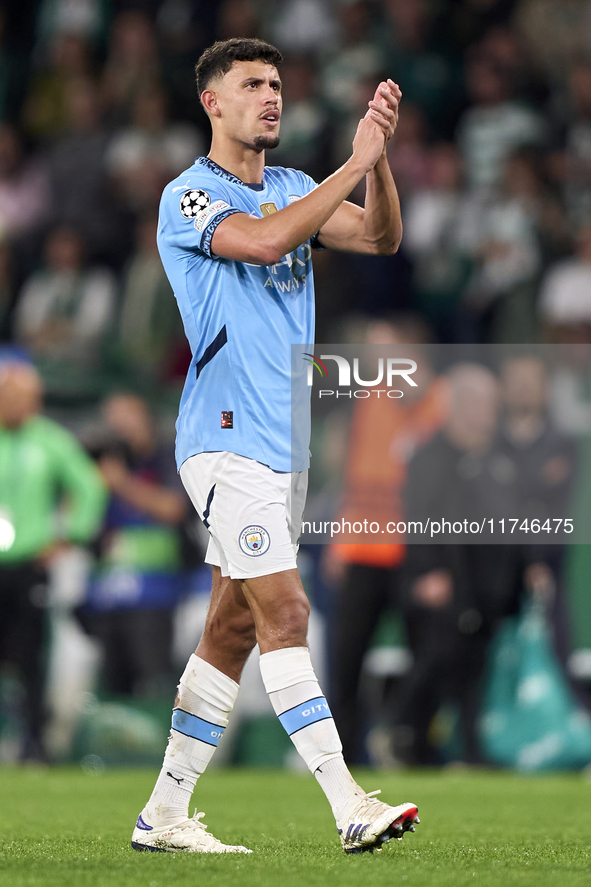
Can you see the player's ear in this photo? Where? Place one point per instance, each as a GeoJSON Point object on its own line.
{"type": "Point", "coordinates": [209, 100]}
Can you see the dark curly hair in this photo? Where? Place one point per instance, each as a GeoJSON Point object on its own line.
{"type": "Point", "coordinates": [219, 58]}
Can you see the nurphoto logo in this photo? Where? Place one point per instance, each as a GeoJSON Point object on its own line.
{"type": "Point", "coordinates": [390, 371]}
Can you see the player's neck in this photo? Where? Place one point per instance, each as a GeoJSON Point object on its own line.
{"type": "Point", "coordinates": [245, 163]}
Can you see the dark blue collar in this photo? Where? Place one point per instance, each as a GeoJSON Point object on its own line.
{"type": "Point", "coordinates": [230, 177]}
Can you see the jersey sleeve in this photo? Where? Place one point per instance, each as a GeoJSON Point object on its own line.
{"type": "Point", "coordinates": [189, 215]}
{"type": "Point", "coordinates": [308, 184]}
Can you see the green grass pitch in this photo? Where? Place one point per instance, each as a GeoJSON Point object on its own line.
{"type": "Point", "coordinates": [62, 828]}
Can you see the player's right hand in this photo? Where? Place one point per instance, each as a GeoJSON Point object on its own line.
{"type": "Point", "coordinates": [369, 142]}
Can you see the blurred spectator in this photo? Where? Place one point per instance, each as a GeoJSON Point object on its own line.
{"type": "Point", "coordinates": [304, 25]}
{"type": "Point", "coordinates": [501, 292]}
{"type": "Point", "coordinates": [556, 32]}
{"type": "Point", "coordinates": [150, 152]}
{"type": "Point", "coordinates": [376, 285]}
{"type": "Point", "coordinates": [41, 467]}
{"type": "Point", "coordinates": [438, 225]}
{"type": "Point", "coordinates": [84, 18]}
{"type": "Point", "coordinates": [504, 48]}
{"type": "Point", "coordinates": [132, 66]}
{"type": "Point", "coordinates": [455, 593]}
{"type": "Point", "coordinates": [565, 295]}
{"type": "Point", "coordinates": [13, 69]}
{"type": "Point", "coordinates": [82, 197]}
{"type": "Point", "coordinates": [45, 112]}
{"type": "Point", "coordinates": [355, 58]}
{"type": "Point", "coordinates": [573, 163]}
{"type": "Point", "coordinates": [65, 310]}
{"type": "Point", "coordinates": [570, 398]}
{"type": "Point", "coordinates": [542, 457]}
{"type": "Point", "coordinates": [305, 134]}
{"type": "Point", "coordinates": [185, 28]}
{"type": "Point", "coordinates": [526, 178]}
{"type": "Point", "coordinates": [137, 582]}
{"type": "Point", "coordinates": [542, 462]}
{"type": "Point", "coordinates": [431, 76]}
{"type": "Point", "coordinates": [6, 289]}
{"type": "Point", "coordinates": [186, 25]}
{"type": "Point", "coordinates": [148, 325]}
{"type": "Point", "coordinates": [382, 438]}
{"type": "Point", "coordinates": [237, 18]}
{"type": "Point", "coordinates": [24, 198]}
{"type": "Point", "coordinates": [495, 125]}
{"type": "Point", "coordinates": [468, 20]}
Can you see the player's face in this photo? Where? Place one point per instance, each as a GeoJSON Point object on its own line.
{"type": "Point", "coordinates": [249, 99]}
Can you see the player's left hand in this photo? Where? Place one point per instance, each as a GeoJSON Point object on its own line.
{"type": "Point", "coordinates": [383, 108]}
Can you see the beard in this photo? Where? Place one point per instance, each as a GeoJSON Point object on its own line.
{"type": "Point", "coordinates": [265, 143]}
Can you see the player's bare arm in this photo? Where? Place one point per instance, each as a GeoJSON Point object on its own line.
{"type": "Point", "coordinates": [265, 241]}
{"type": "Point", "coordinates": [376, 228]}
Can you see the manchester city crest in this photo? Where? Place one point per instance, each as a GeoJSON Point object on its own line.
{"type": "Point", "coordinates": [254, 541]}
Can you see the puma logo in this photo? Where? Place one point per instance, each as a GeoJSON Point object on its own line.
{"type": "Point", "coordinates": [168, 773]}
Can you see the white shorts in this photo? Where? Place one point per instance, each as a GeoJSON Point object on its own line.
{"type": "Point", "coordinates": [253, 514]}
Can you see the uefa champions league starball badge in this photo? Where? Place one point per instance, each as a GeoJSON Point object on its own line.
{"type": "Point", "coordinates": [254, 541]}
{"type": "Point", "coordinates": [194, 201]}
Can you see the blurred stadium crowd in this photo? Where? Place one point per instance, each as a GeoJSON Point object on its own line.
{"type": "Point", "coordinates": [98, 111]}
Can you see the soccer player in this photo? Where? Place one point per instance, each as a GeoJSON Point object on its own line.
{"type": "Point", "coordinates": [235, 238]}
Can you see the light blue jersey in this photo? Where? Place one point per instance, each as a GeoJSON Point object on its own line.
{"type": "Point", "coordinates": [241, 320]}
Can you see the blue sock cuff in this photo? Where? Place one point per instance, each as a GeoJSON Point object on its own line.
{"type": "Point", "coordinates": [196, 728]}
{"type": "Point", "coordinates": [309, 712]}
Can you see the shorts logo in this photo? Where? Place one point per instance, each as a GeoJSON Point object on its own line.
{"type": "Point", "coordinates": [193, 202]}
{"type": "Point", "coordinates": [254, 541]}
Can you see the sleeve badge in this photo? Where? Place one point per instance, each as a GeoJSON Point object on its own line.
{"type": "Point", "coordinates": [193, 202]}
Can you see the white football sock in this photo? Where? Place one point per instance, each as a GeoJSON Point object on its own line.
{"type": "Point", "coordinates": [338, 785]}
{"type": "Point", "coordinates": [206, 697]}
{"type": "Point", "coordinates": [298, 702]}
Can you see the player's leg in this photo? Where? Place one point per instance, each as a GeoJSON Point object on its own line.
{"type": "Point", "coordinates": [280, 609]}
{"type": "Point", "coordinates": [229, 634]}
{"type": "Point", "coordinates": [206, 695]}
{"type": "Point", "coordinates": [253, 515]}
{"type": "Point", "coordinates": [209, 685]}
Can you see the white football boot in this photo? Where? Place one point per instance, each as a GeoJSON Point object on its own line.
{"type": "Point", "coordinates": [188, 836]}
{"type": "Point", "coordinates": [369, 823]}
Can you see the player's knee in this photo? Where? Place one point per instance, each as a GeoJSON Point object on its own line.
{"type": "Point", "coordinates": [245, 638]}
{"type": "Point", "coordinates": [240, 633]}
{"type": "Point", "coordinates": [292, 626]}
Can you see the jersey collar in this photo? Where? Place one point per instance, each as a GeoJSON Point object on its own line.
{"type": "Point", "coordinates": [230, 177]}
